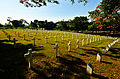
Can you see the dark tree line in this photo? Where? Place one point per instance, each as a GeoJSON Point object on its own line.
{"type": "Point", "coordinates": [77, 24]}
{"type": "Point", "coordinates": [43, 24]}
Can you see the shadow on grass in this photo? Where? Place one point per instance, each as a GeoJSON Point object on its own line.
{"type": "Point", "coordinates": [39, 55]}
{"type": "Point", "coordinates": [99, 76]}
{"type": "Point", "coordinates": [114, 53]}
{"type": "Point", "coordinates": [106, 62]}
{"type": "Point", "coordinates": [27, 40]}
{"type": "Point", "coordinates": [112, 56]}
{"type": "Point", "coordinates": [74, 67]}
{"type": "Point", "coordinates": [92, 51]}
{"type": "Point", "coordinates": [70, 67]}
{"type": "Point", "coordinates": [38, 48]}
{"type": "Point", "coordinates": [79, 53]}
{"type": "Point", "coordinates": [84, 55]}
{"type": "Point", "coordinates": [115, 50]}
{"type": "Point", "coordinates": [39, 39]}
{"type": "Point", "coordinates": [13, 65]}
{"type": "Point", "coordinates": [41, 73]}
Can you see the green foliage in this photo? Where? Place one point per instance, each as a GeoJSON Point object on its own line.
{"type": "Point", "coordinates": [62, 25]}
{"type": "Point", "coordinates": [105, 17]}
{"type": "Point", "coordinates": [39, 3]}
{"type": "Point", "coordinates": [90, 27]}
{"type": "Point", "coordinates": [77, 24]}
{"type": "Point", "coordinates": [109, 5]}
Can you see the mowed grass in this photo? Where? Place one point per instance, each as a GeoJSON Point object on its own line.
{"type": "Point", "coordinates": [67, 65]}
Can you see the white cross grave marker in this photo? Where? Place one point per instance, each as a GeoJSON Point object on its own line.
{"type": "Point", "coordinates": [72, 36]}
{"type": "Point", "coordinates": [76, 36]}
{"type": "Point", "coordinates": [33, 41]}
{"type": "Point", "coordinates": [87, 41]}
{"type": "Point", "coordinates": [8, 37]}
{"type": "Point", "coordinates": [28, 33]}
{"type": "Point", "coordinates": [109, 45]}
{"type": "Point", "coordinates": [23, 32]}
{"type": "Point", "coordinates": [14, 41]}
{"type": "Point", "coordinates": [78, 43]}
{"type": "Point", "coordinates": [89, 68]}
{"type": "Point", "coordinates": [93, 39]}
{"type": "Point", "coordinates": [83, 42]}
{"type": "Point", "coordinates": [50, 34]}
{"type": "Point", "coordinates": [107, 48]}
{"type": "Point", "coordinates": [56, 38]}
{"type": "Point", "coordinates": [18, 34]}
{"type": "Point", "coordinates": [98, 57]}
{"type": "Point", "coordinates": [15, 32]}
{"type": "Point", "coordinates": [104, 51]}
{"type": "Point", "coordinates": [56, 47]}
{"type": "Point", "coordinates": [100, 38]}
{"type": "Point", "coordinates": [62, 37]}
{"type": "Point", "coordinates": [46, 40]}
{"type": "Point", "coordinates": [90, 40]}
{"type": "Point", "coordinates": [24, 36]}
{"type": "Point", "coordinates": [68, 36]}
{"type": "Point", "coordinates": [29, 54]}
{"type": "Point", "coordinates": [69, 46]}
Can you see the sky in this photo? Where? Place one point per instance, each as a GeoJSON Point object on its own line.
{"type": "Point", "coordinates": [52, 12]}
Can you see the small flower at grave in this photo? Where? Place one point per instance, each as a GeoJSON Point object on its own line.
{"type": "Point", "coordinates": [101, 64]}
{"type": "Point", "coordinates": [114, 74]}
{"type": "Point", "coordinates": [101, 71]}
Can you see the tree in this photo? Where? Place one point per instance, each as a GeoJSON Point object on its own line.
{"type": "Point", "coordinates": [17, 23]}
{"type": "Point", "coordinates": [108, 6]}
{"type": "Point", "coordinates": [61, 25]}
{"type": "Point", "coordinates": [106, 15]}
{"type": "Point", "coordinates": [1, 25]}
{"type": "Point", "coordinates": [24, 22]}
{"type": "Point", "coordinates": [80, 23]}
{"type": "Point", "coordinates": [41, 24]}
{"type": "Point", "coordinates": [50, 25]}
{"type": "Point", "coordinates": [9, 20]}
{"type": "Point", "coordinates": [77, 24]}
{"type": "Point", "coordinates": [33, 24]}
{"type": "Point", "coordinates": [39, 3]}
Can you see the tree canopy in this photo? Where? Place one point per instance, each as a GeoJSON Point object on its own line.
{"type": "Point", "coordinates": [39, 3]}
{"type": "Point", "coordinates": [106, 16]}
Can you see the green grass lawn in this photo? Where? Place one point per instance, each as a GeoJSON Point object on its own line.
{"type": "Point", "coordinates": [67, 65]}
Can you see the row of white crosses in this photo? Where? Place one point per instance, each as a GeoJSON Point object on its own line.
{"type": "Point", "coordinates": [9, 37]}
{"type": "Point", "coordinates": [56, 39]}
{"type": "Point", "coordinates": [89, 66]}
{"type": "Point", "coordinates": [99, 57]}
{"type": "Point", "coordinates": [109, 45]}
{"type": "Point", "coordinates": [94, 37]}
{"type": "Point", "coordinates": [83, 41]}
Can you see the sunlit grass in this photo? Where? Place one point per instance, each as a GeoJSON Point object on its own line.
{"type": "Point", "coordinates": [78, 57]}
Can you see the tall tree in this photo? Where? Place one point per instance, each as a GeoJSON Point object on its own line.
{"type": "Point", "coordinates": [106, 15]}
